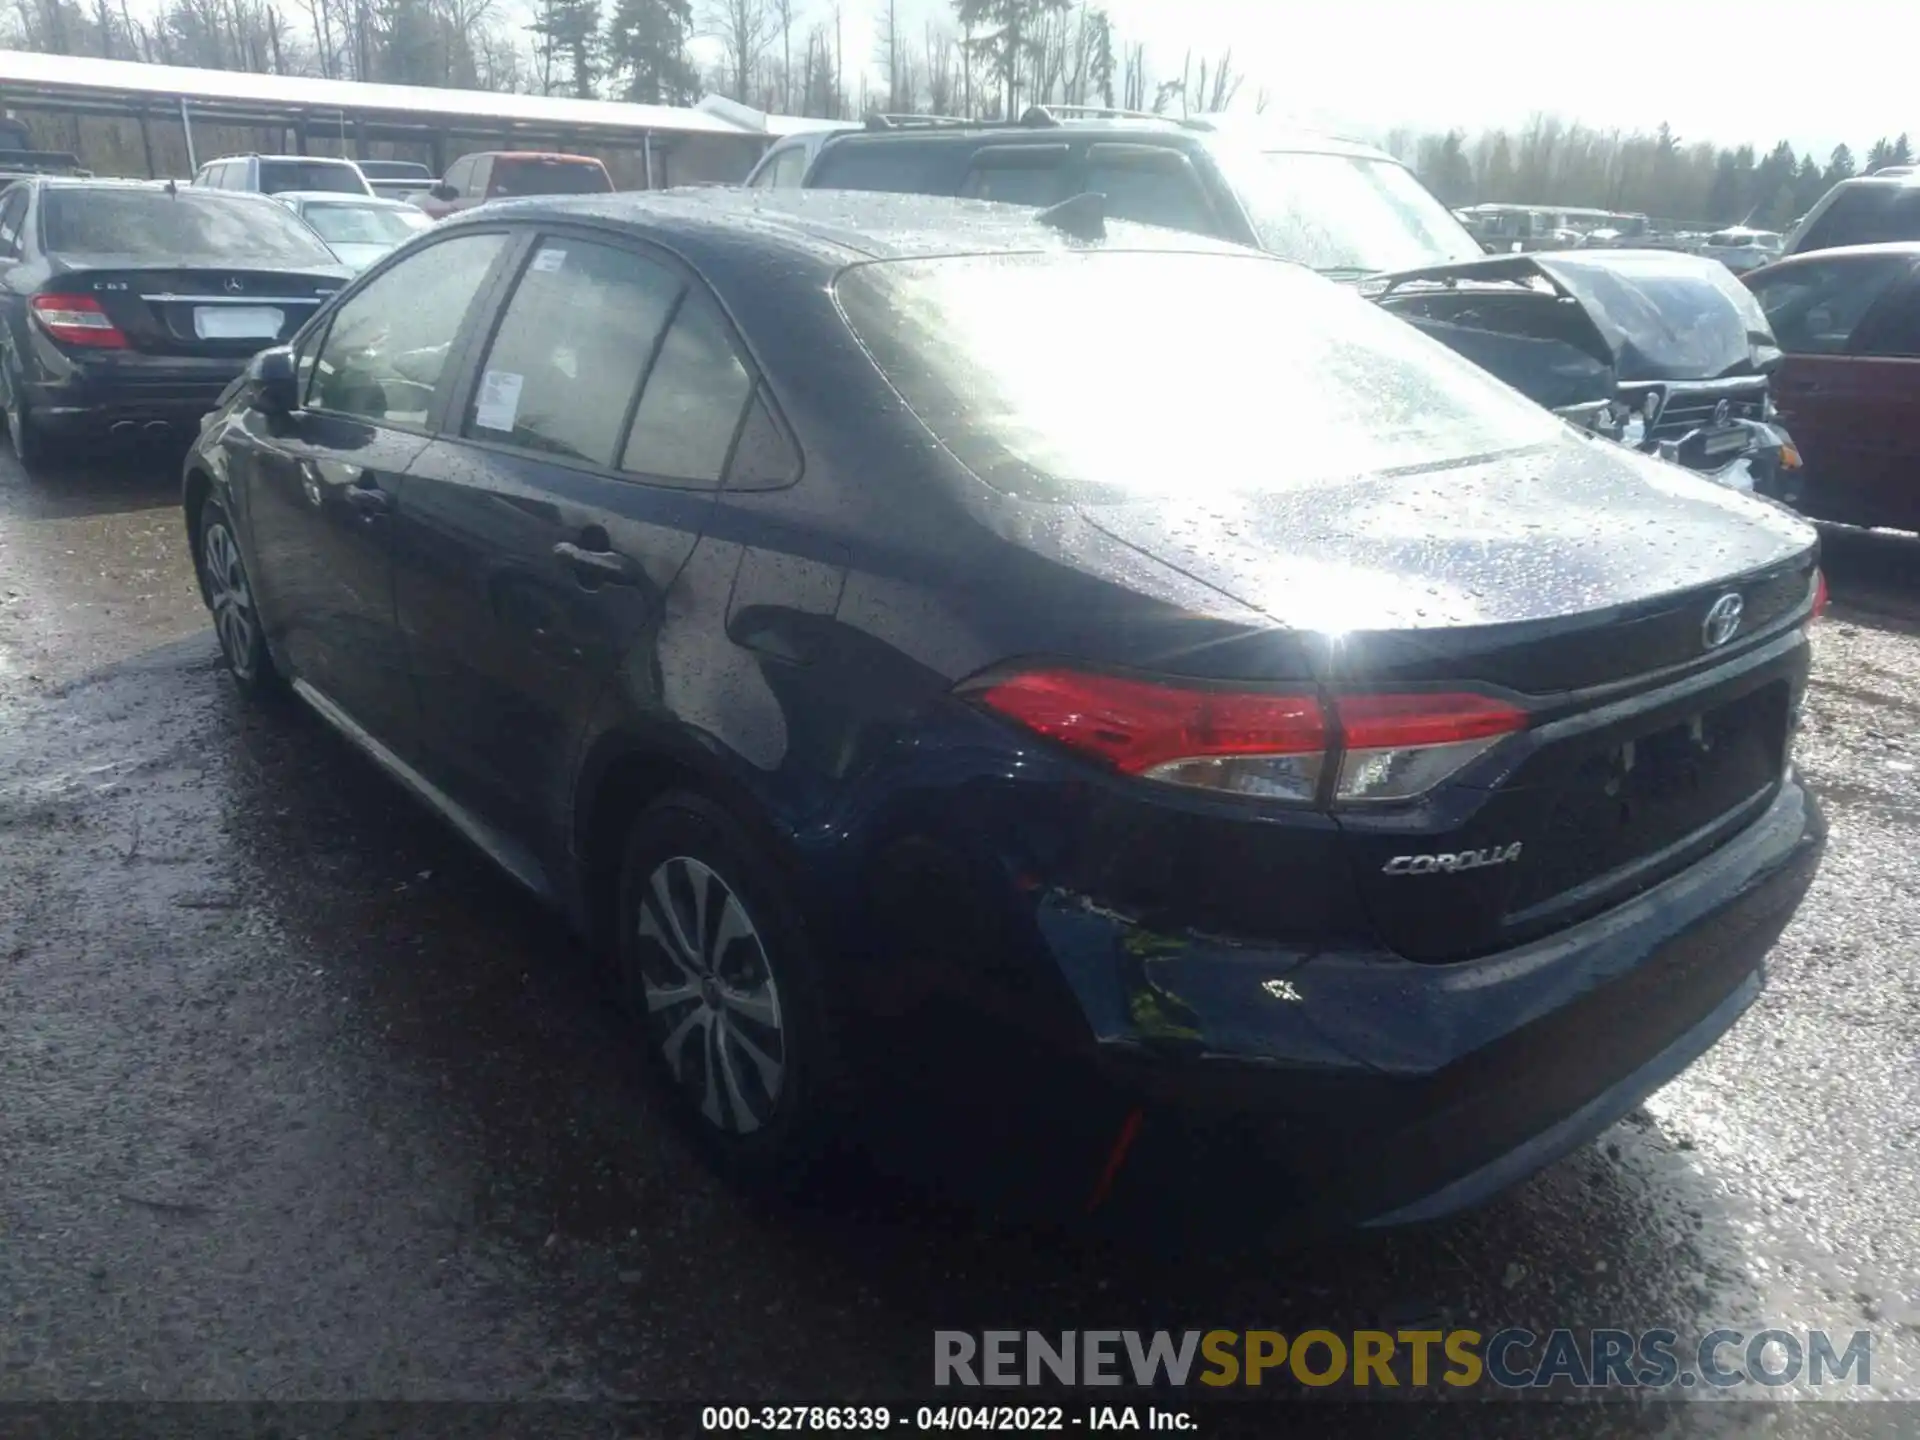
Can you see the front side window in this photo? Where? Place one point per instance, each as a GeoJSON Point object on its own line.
{"type": "Point", "coordinates": [1345, 214]}
{"type": "Point", "coordinates": [13, 211]}
{"type": "Point", "coordinates": [572, 346]}
{"type": "Point", "coordinates": [1282, 380]}
{"type": "Point", "coordinates": [385, 353]}
{"type": "Point", "coordinates": [1815, 306]}
{"type": "Point", "coordinates": [1153, 187]}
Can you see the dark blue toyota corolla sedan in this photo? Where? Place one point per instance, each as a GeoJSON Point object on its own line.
{"type": "Point", "coordinates": [1252, 753]}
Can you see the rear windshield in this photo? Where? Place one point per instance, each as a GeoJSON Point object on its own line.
{"type": "Point", "coordinates": [344, 223]}
{"type": "Point", "coordinates": [548, 177]}
{"type": "Point", "coordinates": [281, 175]}
{"type": "Point", "coordinates": [394, 170]}
{"type": "Point", "coordinates": [1866, 215]}
{"type": "Point", "coordinates": [1118, 374]}
{"type": "Point", "coordinates": [200, 224]}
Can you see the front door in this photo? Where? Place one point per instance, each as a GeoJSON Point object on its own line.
{"type": "Point", "coordinates": [542, 535]}
{"type": "Point", "coordinates": [323, 485]}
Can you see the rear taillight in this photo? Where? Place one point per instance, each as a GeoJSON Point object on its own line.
{"type": "Point", "coordinates": [1272, 745]}
{"type": "Point", "coordinates": [1819, 595]}
{"type": "Point", "coordinates": [77, 320]}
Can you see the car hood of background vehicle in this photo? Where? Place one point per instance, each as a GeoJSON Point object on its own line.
{"type": "Point", "coordinates": [1576, 525]}
{"type": "Point", "coordinates": [1662, 315]}
{"type": "Point", "coordinates": [1668, 316]}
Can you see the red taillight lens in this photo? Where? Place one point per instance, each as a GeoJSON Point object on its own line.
{"type": "Point", "coordinates": [77, 320]}
{"type": "Point", "coordinates": [1271, 745]}
{"type": "Point", "coordinates": [1819, 595]}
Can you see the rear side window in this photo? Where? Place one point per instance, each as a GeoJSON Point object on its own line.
{"type": "Point", "coordinates": [386, 350]}
{"type": "Point", "coordinates": [1866, 215]}
{"type": "Point", "coordinates": [1152, 186]}
{"type": "Point", "coordinates": [691, 407]}
{"type": "Point", "coordinates": [903, 169]}
{"type": "Point", "coordinates": [571, 348]}
{"type": "Point", "coordinates": [1815, 306]}
{"type": "Point", "coordinates": [277, 176]}
{"type": "Point", "coordinates": [228, 229]}
{"type": "Point", "coordinates": [546, 176]}
{"type": "Point", "coordinates": [1018, 175]}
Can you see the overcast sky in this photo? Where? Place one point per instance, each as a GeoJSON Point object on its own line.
{"type": "Point", "coordinates": [1755, 71]}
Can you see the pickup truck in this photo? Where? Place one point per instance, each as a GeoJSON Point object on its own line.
{"type": "Point", "coordinates": [507, 174]}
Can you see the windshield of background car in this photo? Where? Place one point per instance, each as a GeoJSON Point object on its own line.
{"type": "Point", "coordinates": [348, 224]}
{"type": "Point", "coordinates": [277, 176]}
{"type": "Point", "coordinates": [395, 170]}
{"type": "Point", "coordinates": [199, 223]}
{"type": "Point", "coordinates": [1866, 215]}
{"type": "Point", "coordinates": [1112, 375]}
{"type": "Point", "coordinates": [547, 177]}
{"type": "Point", "coordinates": [1344, 212]}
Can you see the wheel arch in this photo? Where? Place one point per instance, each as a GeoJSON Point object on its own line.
{"type": "Point", "coordinates": [624, 772]}
{"type": "Point", "coordinates": [196, 490]}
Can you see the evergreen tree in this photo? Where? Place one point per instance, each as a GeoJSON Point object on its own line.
{"type": "Point", "coordinates": [646, 50]}
{"type": "Point", "coordinates": [1839, 165]}
{"type": "Point", "coordinates": [1007, 32]}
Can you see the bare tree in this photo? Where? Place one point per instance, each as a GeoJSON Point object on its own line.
{"type": "Point", "coordinates": [783, 11]}
{"type": "Point", "coordinates": [744, 29]}
{"type": "Point", "coordinates": [886, 50]}
{"type": "Point", "coordinates": [938, 63]}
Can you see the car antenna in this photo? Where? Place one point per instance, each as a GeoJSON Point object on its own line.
{"type": "Point", "coordinates": [1083, 216]}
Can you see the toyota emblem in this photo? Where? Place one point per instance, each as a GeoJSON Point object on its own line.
{"type": "Point", "coordinates": [1720, 414]}
{"type": "Point", "coordinates": [233, 285]}
{"type": "Point", "coordinates": [1723, 621]}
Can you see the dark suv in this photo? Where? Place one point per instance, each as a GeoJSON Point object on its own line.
{"type": "Point", "coordinates": [1867, 210]}
{"type": "Point", "coordinates": [1662, 351]}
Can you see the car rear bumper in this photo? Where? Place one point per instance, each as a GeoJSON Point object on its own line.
{"type": "Point", "coordinates": [91, 398]}
{"type": "Point", "coordinates": [1301, 1091]}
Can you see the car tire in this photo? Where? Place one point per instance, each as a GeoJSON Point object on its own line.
{"type": "Point", "coordinates": [716, 977]}
{"type": "Point", "coordinates": [236, 617]}
{"type": "Point", "coordinates": [30, 444]}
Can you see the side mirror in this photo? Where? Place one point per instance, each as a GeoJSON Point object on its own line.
{"type": "Point", "coordinates": [443, 191]}
{"type": "Point", "coordinates": [273, 380]}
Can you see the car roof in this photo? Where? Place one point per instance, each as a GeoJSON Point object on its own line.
{"type": "Point", "coordinates": [107, 182]}
{"type": "Point", "coordinates": [1193, 130]}
{"type": "Point", "coordinates": [532, 155]}
{"type": "Point", "coordinates": [836, 226]}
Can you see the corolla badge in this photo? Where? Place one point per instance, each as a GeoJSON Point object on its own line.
{"type": "Point", "coordinates": [1450, 862]}
{"type": "Point", "coordinates": [1723, 620]}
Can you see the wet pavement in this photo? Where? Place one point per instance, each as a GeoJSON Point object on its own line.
{"type": "Point", "coordinates": [299, 1100]}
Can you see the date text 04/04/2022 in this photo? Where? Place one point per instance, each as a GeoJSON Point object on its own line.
{"type": "Point", "coordinates": [875, 1418]}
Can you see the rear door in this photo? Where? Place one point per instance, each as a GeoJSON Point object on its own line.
{"type": "Point", "coordinates": [325, 483]}
{"type": "Point", "coordinates": [544, 529]}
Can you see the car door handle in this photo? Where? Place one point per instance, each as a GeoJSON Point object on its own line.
{"type": "Point", "coordinates": [606, 567]}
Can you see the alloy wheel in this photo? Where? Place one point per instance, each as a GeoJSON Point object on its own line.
{"type": "Point", "coordinates": [229, 597]}
{"type": "Point", "coordinates": [713, 1007]}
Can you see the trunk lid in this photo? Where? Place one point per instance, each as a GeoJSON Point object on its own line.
{"type": "Point", "coordinates": [197, 306]}
{"type": "Point", "coordinates": [1577, 577]}
{"type": "Point", "coordinates": [1484, 571]}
